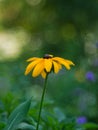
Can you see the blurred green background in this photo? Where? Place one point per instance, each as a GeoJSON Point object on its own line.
{"type": "Point", "coordinates": [64, 28]}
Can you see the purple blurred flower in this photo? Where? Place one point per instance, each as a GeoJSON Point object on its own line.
{"type": "Point", "coordinates": [81, 120]}
{"type": "Point", "coordinates": [90, 76]}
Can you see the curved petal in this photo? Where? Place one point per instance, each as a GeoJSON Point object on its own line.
{"type": "Point", "coordinates": [32, 65]}
{"type": "Point", "coordinates": [69, 62]}
{"type": "Point", "coordinates": [32, 59]}
{"type": "Point", "coordinates": [48, 64]}
{"type": "Point", "coordinates": [64, 62]}
{"type": "Point", "coordinates": [56, 66]}
{"type": "Point", "coordinates": [38, 68]}
{"type": "Point", "coordinates": [43, 74]}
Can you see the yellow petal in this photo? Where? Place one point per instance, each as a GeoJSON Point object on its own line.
{"type": "Point", "coordinates": [38, 68]}
{"type": "Point", "coordinates": [43, 74]}
{"type": "Point", "coordinates": [57, 67]}
{"type": "Point", "coordinates": [48, 64]}
{"type": "Point", "coordinates": [64, 62]}
{"type": "Point", "coordinates": [32, 59]}
{"type": "Point", "coordinates": [31, 65]}
{"type": "Point", "coordinates": [69, 62]}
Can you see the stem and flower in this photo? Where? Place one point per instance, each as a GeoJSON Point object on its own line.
{"type": "Point", "coordinates": [43, 66]}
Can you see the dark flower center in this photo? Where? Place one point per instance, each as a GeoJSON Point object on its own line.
{"type": "Point", "coordinates": [47, 56]}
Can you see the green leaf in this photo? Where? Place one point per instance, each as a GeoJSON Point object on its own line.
{"type": "Point", "coordinates": [90, 125]}
{"type": "Point", "coordinates": [59, 114]}
{"type": "Point", "coordinates": [25, 126]}
{"type": "Point", "coordinates": [18, 115]}
{"type": "Point", "coordinates": [2, 125]}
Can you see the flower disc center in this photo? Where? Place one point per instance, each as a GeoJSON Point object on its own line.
{"type": "Point", "coordinates": [47, 56]}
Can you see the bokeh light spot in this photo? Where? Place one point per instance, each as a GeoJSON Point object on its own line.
{"type": "Point", "coordinates": [11, 44]}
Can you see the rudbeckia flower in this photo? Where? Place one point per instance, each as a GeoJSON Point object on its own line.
{"type": "Point", "coordinates": [43, 66]}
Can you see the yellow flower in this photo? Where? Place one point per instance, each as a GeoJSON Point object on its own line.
{"type": "Point", "coordinates": [43, 66]}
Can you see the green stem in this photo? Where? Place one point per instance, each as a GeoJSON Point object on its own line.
{"type": "Point", "coordinates": [41, 103]}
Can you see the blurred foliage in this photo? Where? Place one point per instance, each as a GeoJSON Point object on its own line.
{"type": "Point", "coordinates": [68, 29]}
{"type": "Point", "coordinates": [54, 118]}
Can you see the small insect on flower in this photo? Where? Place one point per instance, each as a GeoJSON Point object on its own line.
{"type": "Point", "coordinates": [43, 66]}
